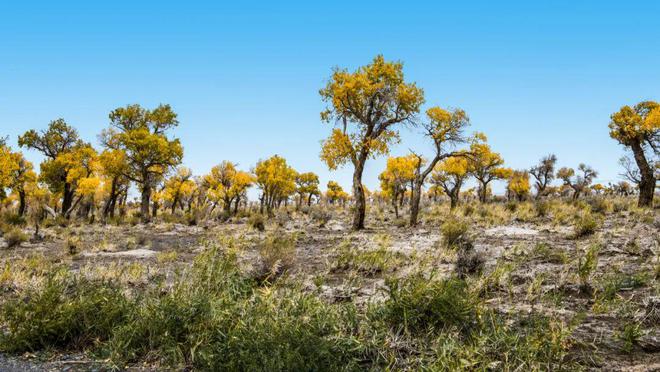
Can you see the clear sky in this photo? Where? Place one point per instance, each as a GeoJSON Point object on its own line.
{"type": "Point", "coordinates": [535, 76]}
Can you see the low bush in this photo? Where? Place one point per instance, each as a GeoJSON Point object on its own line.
{"type": "Point", "coordinates": [72, 245]}
{"type": "Point", "coordinates": [282, 218]}
{"type": "Point", "coordinates": [601, 205]}
{"type": "Point", "coordinates": [585, 225]}
{"type": "Point", "coordinates": [400, 222]}
{"type": "Point", "coordinates": [469, 261]}
{"type": "Point", "coordinates": [420, 304]}
{"type": "Point", "coordinates": [320, 216]}
{"type": "Point", "coordinates": [544, 252]}
{"type": "Point", "coordinates": [257, 221]}
{"type": "Point", "coordinates": [13, 219]}
{"type": "Point", "coordinates": [68, 312]}
{"type": "Point", "coordinates": [277, 252]}
{"type": "Point", "coordinates": [453, 230]}
{"type": "Point", "coordinates": [212, 317]}
{"type": "Point", "coordinates": [542, 208]}
{"type": "Point", "coordinates": [14, 236]}
{"type": "Point", "coordinates": [587, 264]}
{"type": "Point", "coordinates": [366, 261]}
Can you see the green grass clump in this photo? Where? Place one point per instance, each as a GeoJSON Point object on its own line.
{"type": "Point", "coordinates": [453, 230]}
{"type": "Point", "coordinates": [587, 264]}
{"type": "Point", "coordinates": [14, 236]}
{"type": "Point", "coordinates": [544, 252]}
{"type": "Point", "coordinates": [585, 224]}
{"type": "Point", "coordinates": [68, 312]}
{"type": "Point", "coordinates": [367, 261]}
{"type": "Point", "coordinates": [277, 252]}
{"type": "Point", "coordinates": [420, 304]}
{"type": "Point", "coordinates": [212, 316]}
{"type": "Point", "coordinates": [257, 221]}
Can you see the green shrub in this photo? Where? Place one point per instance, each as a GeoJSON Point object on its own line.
{"type": "Point", "coordinates": [613, 283]}
{"type": "Point", "coordinates": [418, 304]}
{"type": "Point", "coordinates": [216, 320]}
{"type": "Point", "coordinates": [320, 216]}
{"type": "Point", "coordinates": [366, 261]}
{"type": "Point", "coordinates": [468, 261]}
{"type": "Point", "coordinates": [544, 252]}
{"type": "Point", "coordinates": [14, 237]}
{"type": "Point", "coordinates": [587, 264]}
{"type": "Point", "coordinates": [277, 252]}
{"type": "Point", "coordinates": [257, 221]}
{"type": "Point", "coordinates": [585, 225]}
{"type": "Point", "coordinates": [601, 205]}
{"type": "Point", "coordinates": [211, 316]}
{"type": "Point", "coordinates": [542, 208]}
{"type": "Point", "coordinates": [13, 219]}
{"type": "Point", "coordinates": [629, 334]}
{"type": "Point", "coordinates": [533, 343]}
{"type": "Point", "coordinates": [67, 312]}
{"type": "Point", "coordinates": [453, 230]}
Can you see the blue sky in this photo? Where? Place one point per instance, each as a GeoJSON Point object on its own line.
{"type": "Point", "coordinates": [536, 77]}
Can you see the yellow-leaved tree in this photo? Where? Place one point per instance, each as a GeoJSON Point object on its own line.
{"type": "Point", "coordinates": [142, 136]}
{"type": "Point", "coordinates": [113, 167]}
{"type": "Point", "coordinates": [518, 185]}
{"type": "Point", "coordinates": [8, 167]}
{"type": "Point", "coordinates": [638, 128]}
{"type": "Point", "coordinates": [307, 186]}
{"type": "Point", "coordinates": [446, 129]}
{"type": "Point", "coordinates": [335, 193]}
{"type": "Point", "coordinates": [227, 185]}
{"type": "Point", "coordinates": [398, 174]}
{"type": "Point", "coordinates": [368, 104]}
{"type": "Point", "coordinates": [62, 147]}
{"type": "Point", "coordinates": [486, 166]}
{"type": "Point", "coordinates": [277, 181]}
{"type": "Point", "coordinates": [450, 174]}
{"type": "Point", "coordinates": [544, 173]}
{"type": "Point", "coordinates": [177, 188]}
{"type": "Point", "coordinates": [579, 182]}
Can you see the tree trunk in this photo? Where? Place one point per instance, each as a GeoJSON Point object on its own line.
{"type": "Point", "coordinates": [647, 181]}
{"type": "Point", "coordinates": [483, 192]}
{"type": "Point", "coordinates": [358, 194]}
{"type": "Point", "coordinates": [396, 207]}
{"type": "Point", "coordinates": [173, 207]}
{"type": "Point", "coordinates": [67, 199]}
{"type": "Point", "coordinates": [154, 209]}
{"type": "Point", "coordinates": [415, 199]}
{"type": "Point", "coordinates": [144, 204]}
{"type": "Point", "coordinates": [109, 204]}
{"type": "Point", "coordinates": [22, 204]}
{"type": "Point", "coordinates": [227, 207]}
{"type": "Point", "coordinates": [453, 201]}
{"type": "Point", "coordinates": [261, 204]}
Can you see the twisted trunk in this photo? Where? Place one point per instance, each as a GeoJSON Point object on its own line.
{"type": "Point", "coordinates": [358, 193]}
{"type": "Point", "coordinates": [647, 179]}
{"type": "Point", "coordinates": [22, 204]}
{"type": "Point", "coordinates": [144, 203]}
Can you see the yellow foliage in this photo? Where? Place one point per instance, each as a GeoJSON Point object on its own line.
{"type": "Point", "coordinates": [636, 124]}
{"type": "Point", "coordinates": [518, 185]}
{"type": "Point", "coordinates": [335, 192]}
{"type": "Point", "coordinates": [276, 179]}
{"type": "Point", "coordinates": [373, 98]}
